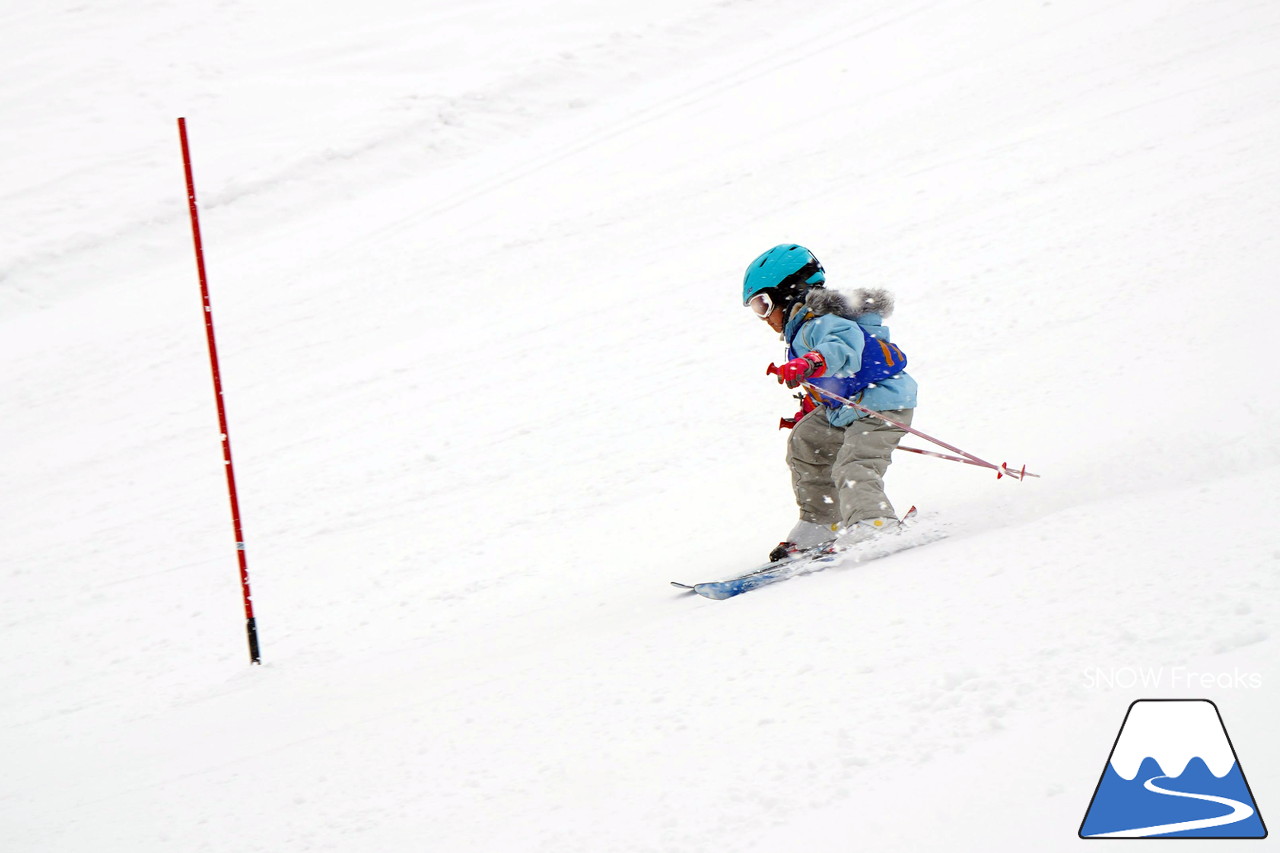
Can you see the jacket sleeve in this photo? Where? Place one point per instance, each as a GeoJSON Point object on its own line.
{"type": "Point", "coordinates": [839, 340]}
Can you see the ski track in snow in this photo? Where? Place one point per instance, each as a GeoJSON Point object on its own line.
{"type": "Point", "coordinates": [474, 269]}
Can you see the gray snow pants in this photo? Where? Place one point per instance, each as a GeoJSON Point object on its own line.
{"type": "Point", "coordinates": [838, 472]}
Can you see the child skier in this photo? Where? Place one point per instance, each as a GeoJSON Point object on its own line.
{"type": "Point", "coordinates": [837, 455]}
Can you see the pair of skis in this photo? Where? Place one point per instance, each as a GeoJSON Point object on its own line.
{"type": "Point", "coordinates": [818, 559]}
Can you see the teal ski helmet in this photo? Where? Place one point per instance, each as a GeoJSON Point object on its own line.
{"type": "Point", "coordinates": [787, 271]}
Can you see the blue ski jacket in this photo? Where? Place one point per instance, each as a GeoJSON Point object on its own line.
{"type": "Point", "coordinates": [831, 323]}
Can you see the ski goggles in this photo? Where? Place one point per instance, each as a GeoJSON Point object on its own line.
{"type": "Point", "coordinates": [761, 304]}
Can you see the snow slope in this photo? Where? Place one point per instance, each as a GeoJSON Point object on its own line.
{"type": "Point", "coordinates": [475, 271]}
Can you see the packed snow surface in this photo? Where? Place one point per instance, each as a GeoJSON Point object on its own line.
{"type": "Point", "coordinates": [475, 273]}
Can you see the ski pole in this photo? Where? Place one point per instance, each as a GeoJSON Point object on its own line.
{"type": "Point", "coordinates": [936, 455]}
{"type": "Point", "coordinates": [1001, 470]}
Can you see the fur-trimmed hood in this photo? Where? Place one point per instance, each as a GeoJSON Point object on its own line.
{"type": "Point", "coordinates": [851, 304]}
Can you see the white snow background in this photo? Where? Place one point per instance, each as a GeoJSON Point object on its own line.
{"type": "Point", "coordinates": [475, 271]}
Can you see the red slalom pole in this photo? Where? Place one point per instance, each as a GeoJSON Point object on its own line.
{"type": "Point", "coordinates": [251, 625]}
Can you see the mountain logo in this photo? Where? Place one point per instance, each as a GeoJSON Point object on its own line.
{"type": "Point", "coordinates": [1172, 773]}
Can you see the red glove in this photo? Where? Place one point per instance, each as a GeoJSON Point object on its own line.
{"type": "Point", "coordinates": [809, 366]}
{"type": "Point", "coordinates": [806, 406]}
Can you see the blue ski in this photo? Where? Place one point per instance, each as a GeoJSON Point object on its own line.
{"type": "Point", "coordinates": [769, 573]}
{"type": "Point", "coordinates": [815, 560]}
